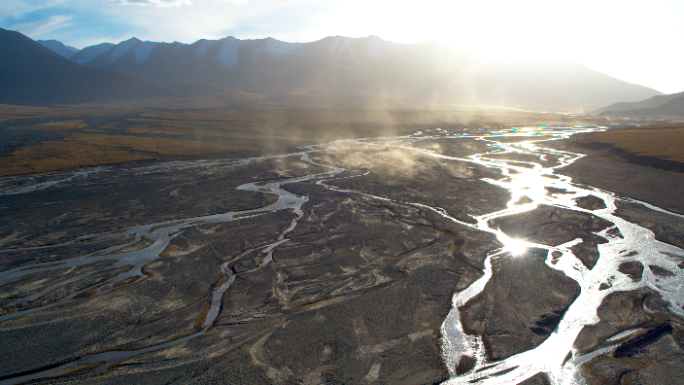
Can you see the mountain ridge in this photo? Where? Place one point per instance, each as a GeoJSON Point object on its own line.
{"type": "Point", "coordinates": [653, 102]}
{"type": "Point", "coordinates": [337, 65]}
{"type": "Point", "coordinates": [672, 107]}
{"type": "Point", "coordinates": [31, 74]}
{"type": "Point", "coordinates": [58, 48]}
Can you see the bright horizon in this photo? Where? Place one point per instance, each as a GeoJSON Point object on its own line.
{"type": "Point", "coordinates": [626, 40]}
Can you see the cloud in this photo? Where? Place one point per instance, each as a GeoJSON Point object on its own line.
{"type": "Point", "coordinates": [43, 26]}
{"type": "Point", "coordinates": [153, 3]}
{"type": "Point", "coordinates": [166, 3]}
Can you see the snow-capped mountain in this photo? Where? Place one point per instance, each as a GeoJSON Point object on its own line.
{"type": "Point", "coordinates": [343, 65]}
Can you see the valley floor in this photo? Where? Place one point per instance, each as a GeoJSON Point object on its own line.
{"type": "Point", "coordinates": [309, 263]}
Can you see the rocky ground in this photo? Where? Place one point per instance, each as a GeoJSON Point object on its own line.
{"type": "Point", "coordinates": [653, 353]}
{"type": "Point", "coordinates": [356, 295]}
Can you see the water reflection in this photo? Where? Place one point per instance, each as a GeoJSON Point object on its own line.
{"type": "Point", "coordinates": [532, 183]}
{"type": "Point", "coordinates": [515, 246]}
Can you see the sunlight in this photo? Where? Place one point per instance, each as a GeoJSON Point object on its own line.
{"type": "Point", "coordinates": [516, 247]}
{"type": "Point", "coordinates": [494, 28]}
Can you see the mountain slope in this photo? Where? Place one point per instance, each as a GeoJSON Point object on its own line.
{"type": "Point", "coordinates": [30, 74]}
{"type": "Point", "coordinates": [58, 48]}
{"type": "Point", "coordinates": [653, 102]}
{"type": "Point", "coordinates": [370, 66]}
{"type": "Point", "coordinates": [674, 108]}
{"type": "Point", "coordinates": [87, 54]}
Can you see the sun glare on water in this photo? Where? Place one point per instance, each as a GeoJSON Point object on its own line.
{"type": "Point", "coordinates": [516, 247]}
{"type": "Point", "coordinates": [512, 245]}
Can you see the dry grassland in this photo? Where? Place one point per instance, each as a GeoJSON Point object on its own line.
{"type": "Point", "coordinates": [329, 123]}
{"type": "Point", "coordinates": [129, 131]}
{"type": "Point", "coordinates": [663, 141]}
{"type": "Point", "coordinates": [9, 112]}
{"type": "Point", "coordinates": [162, 146]}
{"type": "Point", "coordinates": [194, 130]}
{"type": "Point", "coordinates": [82, 150]}
{"type": "Point", "coordinates": [58, 155]}
{"type": "Point", "coordinates": [55, 126]}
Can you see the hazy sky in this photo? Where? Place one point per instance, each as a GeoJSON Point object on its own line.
{"type": "Point", "coordinates": [636, 41]}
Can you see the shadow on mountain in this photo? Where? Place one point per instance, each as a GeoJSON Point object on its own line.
{"type": "Point", "coordinates": [31, 74]}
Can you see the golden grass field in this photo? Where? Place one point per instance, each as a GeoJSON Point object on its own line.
{"type": "Point", "coordinates": [162, 146]}
{"type": "Point", "coordinates": [219, 125]}
{"type": "Point", "coordinates": [81, 150]}
{"type": "Point", "coordinates": [10, 113]}
{"type": "Point", "coordinates": [664, 141]}
{"type": "Point", "coordinates": [55, 126]}
{"type": "Point", "coordinates": [52, 156]}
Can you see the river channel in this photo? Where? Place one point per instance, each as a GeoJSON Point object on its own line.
{"type": "Point", "coordinates": [531, 183]}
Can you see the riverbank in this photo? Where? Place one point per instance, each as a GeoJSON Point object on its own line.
{"type": "Point", "coordinates": [38, 140]}
{"type": "Point", "coordinates": [623, 175]}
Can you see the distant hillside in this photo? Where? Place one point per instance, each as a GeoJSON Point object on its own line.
{"type": "Point", "coordinates": [58, 48]}
{"type": "Point", "coordinates": [653, 102]}
{"type": "Point", "coordinates": [672, 109]}
{"type": "Point", "coordinates": [31, 74]}
{"type": "Point", "coordinates": [368, 66]}
{"type": "Point", "coordinates": [89, 53]}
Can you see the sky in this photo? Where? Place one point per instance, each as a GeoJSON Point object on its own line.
{"type": "Point", "coordinates": [636, 41]}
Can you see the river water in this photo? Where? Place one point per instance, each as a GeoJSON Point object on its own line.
{"type": "Point", "coordinates": [522, 179]}
{"type": "Point", "coordinates": [531, 179]}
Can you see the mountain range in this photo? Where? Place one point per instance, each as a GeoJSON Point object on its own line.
{"type": "Point", "coordinates": [350, 67]}
{"type": "Point", "coordinates": [31, 74]}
